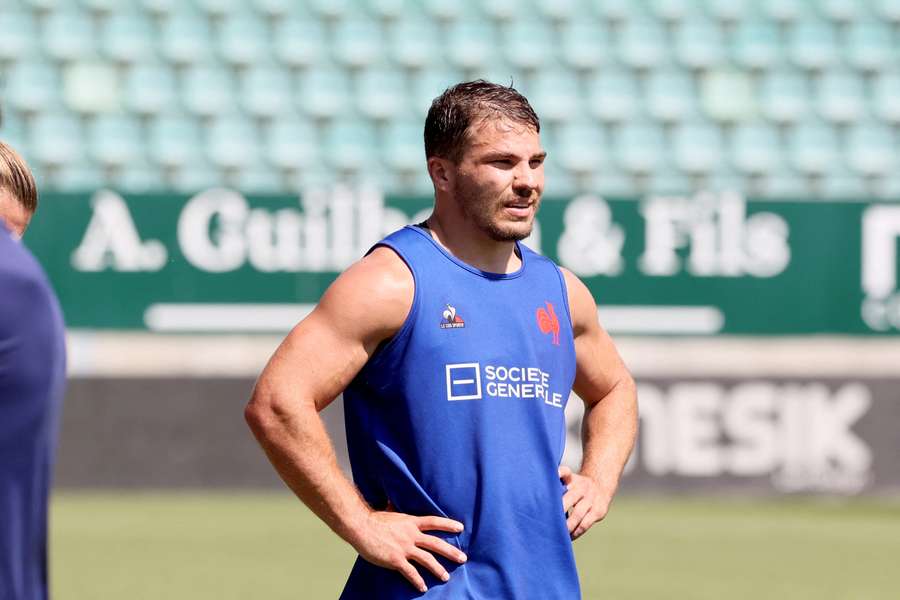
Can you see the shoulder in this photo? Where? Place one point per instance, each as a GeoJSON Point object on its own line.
{"type": "Point", "coordinates": [582, 306]}
{"type": "Point", "coordinates": [373, 296]}
{"type": "Point", "coordinates": [26, 291]}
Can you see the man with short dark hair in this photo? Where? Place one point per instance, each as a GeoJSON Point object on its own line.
{"type": "Point", "coordinates": [32, 377]}
{"type": "Point", "coordinates": [455, 347]}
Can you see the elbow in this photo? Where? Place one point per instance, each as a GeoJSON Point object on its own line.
{"type": "Point", "coordinates": [261, 414]}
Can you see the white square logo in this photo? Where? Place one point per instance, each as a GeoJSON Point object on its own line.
{"type": "Point", "coordinates": [464, 381]}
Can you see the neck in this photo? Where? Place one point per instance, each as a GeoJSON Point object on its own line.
{"type": "Point", "coordinates": [462, 239]}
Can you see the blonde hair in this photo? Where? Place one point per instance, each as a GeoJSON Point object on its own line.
{"type": "Point", "coordinates": [16, 177]}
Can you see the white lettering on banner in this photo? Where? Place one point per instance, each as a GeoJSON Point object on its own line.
{"type": "Point", "coordinates": [111, 240]}
{"type": "Point", "coordinates": [590, 244]}
{"type": "Point", "coordinates": [218, 231]}
{"type": "Point", "coordinates": [801, 435]}
{"type": "Point", "coordinates": [723, 240]}
{"type": "Point", "coordinates": [464, 382]}
{"type": "Point", "coordinates": [880, 232]}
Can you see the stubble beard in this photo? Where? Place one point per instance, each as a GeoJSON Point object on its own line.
{"type": "Point", "coordinates": [484, 211]}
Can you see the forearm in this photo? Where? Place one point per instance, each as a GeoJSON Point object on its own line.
{"type": "Point", "coordinates": [298, 446]}
{"type": "Point", "coordinates": [608, 433]}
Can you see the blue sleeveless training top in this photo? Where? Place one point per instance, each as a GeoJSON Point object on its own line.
{"type": "Point", "coordinates": [460, 415]}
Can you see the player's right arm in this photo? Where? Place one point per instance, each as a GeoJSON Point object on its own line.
{"type": "Point", "coordinates": [366, 305]}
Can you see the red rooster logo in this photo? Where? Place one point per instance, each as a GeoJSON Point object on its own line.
{"type": "Point", "coordinates": [548, 323]}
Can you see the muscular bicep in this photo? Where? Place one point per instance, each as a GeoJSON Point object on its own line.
{"type": "Point", "coordinates": [598, 366]}
{"type": "Point", "coordinates": [366, 305]}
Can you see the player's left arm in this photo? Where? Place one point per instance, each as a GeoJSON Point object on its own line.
{"type": "Point", "coordinates": [610, 419]}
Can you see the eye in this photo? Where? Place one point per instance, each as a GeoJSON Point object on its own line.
{"type": "Point", "coordinates": [536, 163]}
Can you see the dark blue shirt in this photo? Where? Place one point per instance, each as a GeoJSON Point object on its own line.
{"type": "Point", "coordinates": [32, 378]}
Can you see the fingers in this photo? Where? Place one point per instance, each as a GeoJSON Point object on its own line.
{"type": "Point", "coordinates": [589, 519]}
{"type": "Point", "coordinates": [436, 544]}
{"type": "Point", "coordinates": [577, 514]}
{"type": "Point", "coordinates": [439, 524]}
{"type": "Point", "coordinates": [571, 498]}
{"type": "Point", "coordinates": [565, 473]}
{"type": "Point", "coordinates": [407, 570]}
{"type": "Point", "coordinates": [428, 561]}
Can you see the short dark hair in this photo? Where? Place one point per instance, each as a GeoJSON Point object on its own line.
{"type": "Point", "coordinates": [461, 106]}
{"type": "Point", "coordinates": [16, 177]}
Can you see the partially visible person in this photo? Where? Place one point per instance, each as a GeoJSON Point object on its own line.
{"type": "Point", "coordinates": [32, 379]}
{"type": "Point", "coordinates": [18, 192]}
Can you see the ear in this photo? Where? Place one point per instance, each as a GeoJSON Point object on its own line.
{"type": "Point", "coordinates": [441, 172]}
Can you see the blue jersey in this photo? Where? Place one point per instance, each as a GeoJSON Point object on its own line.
{"type": "Point", "coordinates": [32, 376]}
{"type": "Point", "coordinates": [460, 415]}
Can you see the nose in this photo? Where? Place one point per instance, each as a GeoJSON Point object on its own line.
{"type": "Point", "coordinates": [524, 180]}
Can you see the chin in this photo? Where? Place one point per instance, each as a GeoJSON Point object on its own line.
{"type": "Point", "coordinates": [506, 232]}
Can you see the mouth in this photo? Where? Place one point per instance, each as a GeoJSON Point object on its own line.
{"type": "Point", "coordinates": [520, 209]}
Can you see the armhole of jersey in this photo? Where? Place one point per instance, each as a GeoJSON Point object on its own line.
{"type": "Point", "coordinates": [403, 332]}
{"type": "Point", "coordinates": [565, 293]}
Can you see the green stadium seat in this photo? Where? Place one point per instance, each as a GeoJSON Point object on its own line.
{"type": "Point", "coordinates": [195, 175]}
{"type": "Point", "coordinates": [115, 140]}
{"type": "Point", "coordinates": [381, 93]}
{"type": "Point", "coordinates": [140, 178]}
{"type": "Point", "coordinates": [331, 9]}
{"type": "Point", "coordinates": [471, 45]}
{"type": "Point", "coordinates": [674, 10]}
{"type": "Point", "coordinates": [665, 179]}
{"type": "Point", "coordinates": [388, 9]}
{"type": "Point", "coordinates": [885, 91]}
{"type": "Point", "coordinates": [813, 45]}
{"type": "Point", "coordinates": [243, 39]}
{"type": "Point", "coordinates": [814, 147]}
{"type": "Point", "coordinates": [582, 147]}
{"type": "Point", "coordinates": [756, 45]}
{"type": "Point", "coordinates": [13, 131]}
{"type": "Point", "coordinates": [888, 187]}
{"type": "Point", "coordinates": [324, 92]}
{"type": "Point", "coordinates": [785, 10]}
{"type": "Point", "coordinates": [697, 147]}
{"type": "Point", "coordinates": [555, 94]}
{"type": "Point", "coordinates": [500, 10]}
{"type": "Point", "coordinates": [620, 10]}
{"type": "Point", "coordinates": [563, 10]}
{"type": "Point", "coordinates": [729, 11]}
{"type": "Point", "coordinates": [150, 89]}
{"type": "Point", "coordinates": [232, 141]}
{"type": "Point", "coordinates": [871, 148]}
{"type": "Point", "coordinates": [869, 46]}
{"type": "Point", "coordinates": [299, 42]}
{"type": "Point", "coordinates": [78, 177]}
{"type": "Point", "coordinates": [842, 184]}
{"type": "Point", "coordinates": [785, 184]}
{"type": "Point", "coordinates": [613, 95]}
{"type": "Point", "coordinates": [259, 179]}
{"type": "Point", "coordinates": [403, 144]}
{"type": "Point", "coordinates": [160, 7]}
{"type": "Point", "coordinates": [699, 44]}
{"type": "Point", "coordinates": [315, 175]}
{"type": "Point", "coordinates": [349, 144]}
{"type": "Point", "coordinates": [56, 139]}
{"type": "Point", "coordinates": [185, 38]}
{"type": "Point", "coordinates": [756, 148]}
{"type": "Point", "coordinates": [219, 8]}
{"type": "Point", "coordinates": [18, 32]}
{"type": "Point", "coordinates": [208, 90]}
{"type": "Point", "coordinates": [105, 7]}
{"type": "Point", "coordinates": [33, 86]}
{"type": "Point", "coordinates": [450, 11]}
{"type": "Point", "coordinates": [266, 91]}
{"type": "Point", "coordinates": [889, 9]}
{"type": "Point", "coordinates": [840, 96]}
{"type": "Point", "coordinates": [528, 44]}
{"type": "Point", "coordinates": [276, 9]}
{"type": "Point", "coordinates": [669, 95]}
{"type": "Point", "coordinates": [68, 35]}
{"type": "Point", "coordinates": [174, 140]}
{"type": "Point", "coordinates": [611, 183]}
{"type": "Point", "coordinates": [640, 147]}
{"type": "Point", "coordinates": [414, 43]}
{"type": "Point", "coordinates": [128, 37]}
{"type": "Point", "coordinates": [728, 95]}
{"type": "Point", "coordinates": [358, 42]}
{"type": "Point", "coordinates": [585, 44]}
{"type": "Point", "coordinates": [291, 143]}
{"type": "Point", "coordinates": [500, 72]}
{"type": "Point", "coordinates": [724, 180]}
{"type": "Point", "coordinates": [642, 44]}
{"type": "Point", "coordinates": [428, 84]}
{"type": "Point", "coordinates": [784, 96]}
{"type": "Point", "coordinates": [843, 10]}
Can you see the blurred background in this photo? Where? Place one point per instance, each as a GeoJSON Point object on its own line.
{"type": "Point", "coordinates": [721, 173]}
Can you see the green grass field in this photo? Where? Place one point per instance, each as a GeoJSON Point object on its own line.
{"type": "Point", "coordinates": [268, 546]}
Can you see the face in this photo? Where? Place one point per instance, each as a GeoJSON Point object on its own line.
{"type": "Point", "coordinates": [13, 213]}
{"type": "Point", "coordinates": [500, 179]}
